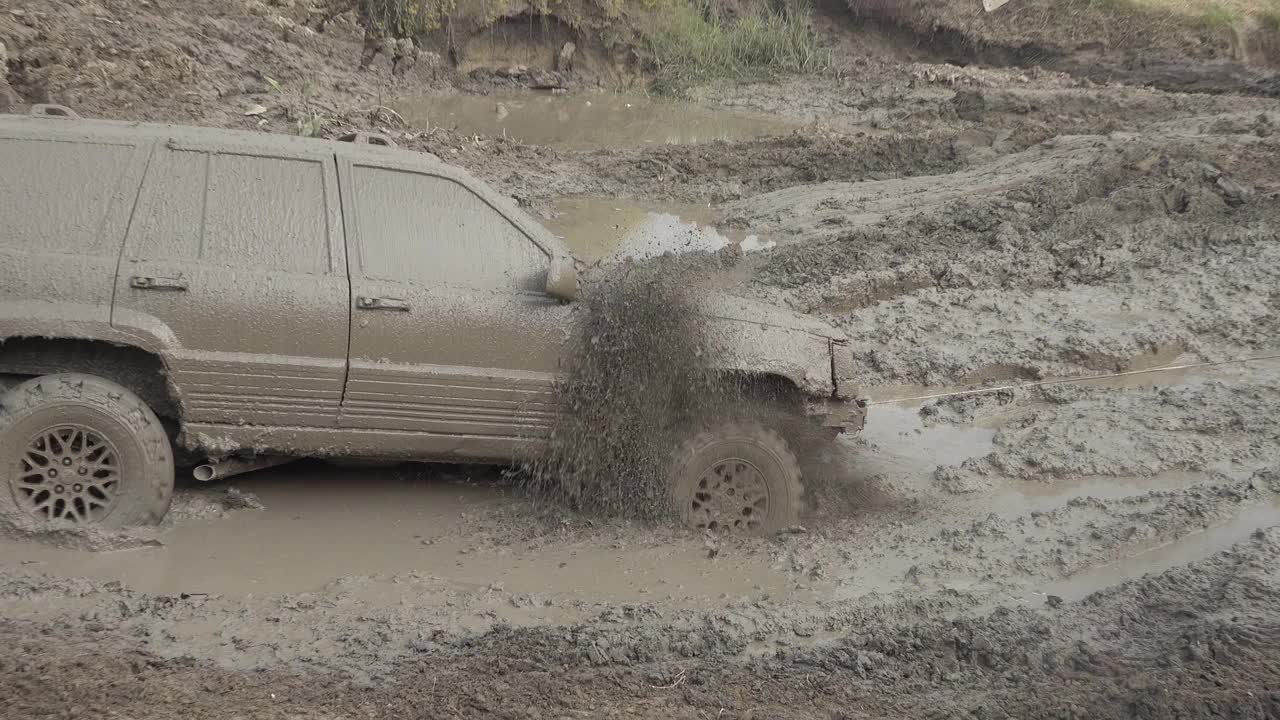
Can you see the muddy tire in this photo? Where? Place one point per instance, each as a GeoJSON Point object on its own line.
{"type": "Point", "coordinates": [80, 449]}
{"type": "Point", "coordinates": [738, 477]}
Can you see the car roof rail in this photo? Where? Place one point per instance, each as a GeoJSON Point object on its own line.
{"type": "Point", "coordinates": [49, 110]}
{"type": "Point", "coordinates": [361, 137]}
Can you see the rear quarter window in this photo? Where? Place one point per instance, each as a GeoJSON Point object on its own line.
{"type": "Point", "coordinates": [56, 196]}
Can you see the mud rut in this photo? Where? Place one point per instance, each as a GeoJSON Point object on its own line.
{"type": "Point", "coordinates": [1102, 549]}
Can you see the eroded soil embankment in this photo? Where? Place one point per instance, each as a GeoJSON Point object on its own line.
{"type": "Point", "coordinates": [1178, 47]}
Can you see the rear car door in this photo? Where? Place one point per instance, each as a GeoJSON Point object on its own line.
{"type": "Point", "coordinates": [235, 262]}
{"type": "Point", "coordinates": [452, 333]}
{"type": "Point", "coordinates": [65, 200]}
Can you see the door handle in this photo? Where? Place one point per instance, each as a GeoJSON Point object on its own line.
{"type": "Point", "coordinates": [147, 282]}
{"type": "Point", "coordinates": [382, 303]}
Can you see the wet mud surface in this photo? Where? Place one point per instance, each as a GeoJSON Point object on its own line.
{"type": "Point", "coordinates": [1097, 549]}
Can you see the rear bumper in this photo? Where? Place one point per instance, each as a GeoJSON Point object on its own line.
{"type": "Point", "coordinates": [846, 415]}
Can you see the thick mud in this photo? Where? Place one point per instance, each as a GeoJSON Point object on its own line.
{"type": "Point", "coordinates": [987, 203]}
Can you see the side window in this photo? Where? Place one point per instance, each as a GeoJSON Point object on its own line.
{"type": "Point", "coordinates": [237, 210]}
{"type": "Point", "coordinates": [55, 195]}
{"type": "Point", "coordinates": [433, 230]}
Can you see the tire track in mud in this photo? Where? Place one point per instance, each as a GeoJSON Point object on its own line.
{"type": "Point", "coordinates": [1193, 640]}
{"type": "Point", "coordinates": [1081, 254]}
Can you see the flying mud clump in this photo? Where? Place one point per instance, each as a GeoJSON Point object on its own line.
{"type": "Point", "coordinates": [639, 373]}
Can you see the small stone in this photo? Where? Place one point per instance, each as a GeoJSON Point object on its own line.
{"type": "Point", "coordinates": [235, 499]}
{"type": "Point", "coordinates": [1232, 192]}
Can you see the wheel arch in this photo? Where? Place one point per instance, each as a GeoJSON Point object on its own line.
{"type": "Point", "coordinates": [776, 389]}
{"type": "Point", "coordinates": [142, 372]}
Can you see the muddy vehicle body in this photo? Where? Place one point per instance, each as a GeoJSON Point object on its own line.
{"type": "Point", "coordinates": [243, 297]}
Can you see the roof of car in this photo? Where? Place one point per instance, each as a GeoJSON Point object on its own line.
{"type": "Point", "coordinates": [254, 139]}
{"type": "Point", "coordinates": [267, 142]}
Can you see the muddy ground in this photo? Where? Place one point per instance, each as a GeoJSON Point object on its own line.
{"type": "Point", "coordinates": [1107, 548]}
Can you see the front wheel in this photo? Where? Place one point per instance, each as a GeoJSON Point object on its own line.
{"type": "Point", "coordinates": [739, 476]}
{"type": "Point", "coordinates": [80, 449]}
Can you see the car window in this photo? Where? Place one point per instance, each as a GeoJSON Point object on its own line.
{"type": "Point", "coordinates": [172, 216]}
{"type": "Point", "coordinates": [55, 195]}
{"type": "Point", "coordinates": [239, 210]}
{"type": "Point", "coordinates": [434, 230]}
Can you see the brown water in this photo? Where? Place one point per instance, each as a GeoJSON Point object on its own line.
{"type": "Point", "coordinates": [425, 535]}
{"type": "Point", "coordinates": [598, 228]}
{"type": "Point", "coordinates": [587, 121]}
{"type": "Point", "coordinates": [322, 524]}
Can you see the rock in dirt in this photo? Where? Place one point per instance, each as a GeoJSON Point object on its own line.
{"type": "Point", "coordinates": [539, 79]}
{"type": "Point", "coordinates": [969, 104]}
{"type": "Point", "coordinates": [236, 499]}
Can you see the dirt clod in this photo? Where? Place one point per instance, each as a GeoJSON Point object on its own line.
{"type": "Point", "coordinates": [236, 499]}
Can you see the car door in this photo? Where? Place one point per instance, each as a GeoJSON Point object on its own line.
{"type": "Point", "coordinates": [235, 263]}
{"type": "Point", "coordinates": [65, 200]}
{"type": "Point", "coordinates": [452, 333]}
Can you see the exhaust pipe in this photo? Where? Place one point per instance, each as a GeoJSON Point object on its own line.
{"type": "Point", "coordinates": [229, 467]}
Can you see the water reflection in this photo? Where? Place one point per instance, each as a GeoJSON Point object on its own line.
{"type": "Point", "coordinates": [588, 121]}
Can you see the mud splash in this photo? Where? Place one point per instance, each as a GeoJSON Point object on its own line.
{"type": "Point", "coordinates": [639, 372]}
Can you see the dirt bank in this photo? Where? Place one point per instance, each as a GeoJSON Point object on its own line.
{"type": "Point", "coordinates": [1195, 47]}
{"type": "Point", "coordinates": [976, 199]}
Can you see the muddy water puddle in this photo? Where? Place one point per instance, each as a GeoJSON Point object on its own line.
{"type": "Point", "coordinates": [588, 121]}
{"type": "Point", "coordinates": [323, 524]}
{"type": "Point", "coordinates": [606, 228]}
{"type": "Point", "coordinates": [900, 444]}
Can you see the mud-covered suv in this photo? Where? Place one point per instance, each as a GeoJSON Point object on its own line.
{"type": "Point", "coordinates": [246, 297]}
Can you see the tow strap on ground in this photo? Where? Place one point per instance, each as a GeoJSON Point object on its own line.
{"type": "Point", "coordinates": [1063, 381]}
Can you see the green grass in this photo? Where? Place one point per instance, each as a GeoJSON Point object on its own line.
{"type": "Point", "coordinates": [1217, 15]}
{"type": "Point", "coordinates": [1270, 19]}
{"type": "Point", "coordinates": [1252, 27]}
{"type": "Point", "coordinates": [404, 18]}
{"type": "Point", "coordinates": [1115, 7]}
{"type": "Point", "coordinates": [691, 40]}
